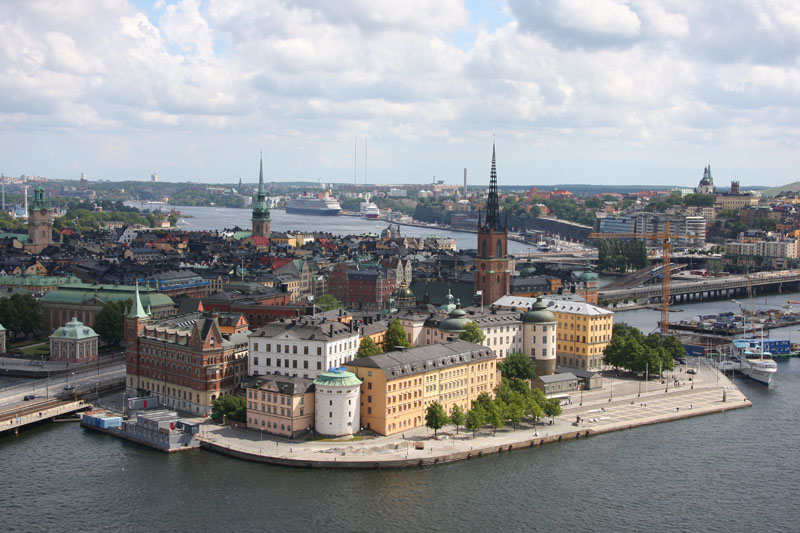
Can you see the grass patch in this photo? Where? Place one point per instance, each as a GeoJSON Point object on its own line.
{"type": "Point", "coordinates": [21, 344]}
{"type": "Point", "coordinates": [37, 351]}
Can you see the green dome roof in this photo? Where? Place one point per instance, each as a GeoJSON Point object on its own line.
{"type": "Point", "coordinates": [455, 321]}
{"type": "Point", "coordinates": [539, 314]}
{"type": "Point", "coordinates": [337, 377]}
{"type": "Point", "coordinates": [449, 303]}
{"type": "Point", "coordinates": [74, 330]}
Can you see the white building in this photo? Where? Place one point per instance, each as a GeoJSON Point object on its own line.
{"type": "Point", "coordinates": [302, 347]}
{"type": "Point", "coordinates": [336, 404]}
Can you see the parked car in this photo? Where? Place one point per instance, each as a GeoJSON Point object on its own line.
{"type": "Point", "coordinates": [29, 397]}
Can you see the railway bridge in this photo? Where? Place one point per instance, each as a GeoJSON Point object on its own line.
{"type": "Point", "coordinates": [707, 288]}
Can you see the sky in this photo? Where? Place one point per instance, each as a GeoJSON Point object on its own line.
{"type": "Point", "coordinates": [623, 92]}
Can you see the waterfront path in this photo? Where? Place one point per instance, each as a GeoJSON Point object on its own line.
{"type": "Point", "coordinates": [598, 415]}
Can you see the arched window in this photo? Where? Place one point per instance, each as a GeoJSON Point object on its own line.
{"type": "Point", "coordinates": [485, 249]}
{"type": "Point", "coordinates": [499, 248]}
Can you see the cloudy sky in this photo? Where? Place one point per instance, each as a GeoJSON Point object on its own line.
{"type": "Point", "coordinates": [573, 91]}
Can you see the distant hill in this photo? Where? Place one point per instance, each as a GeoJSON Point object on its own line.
{"type": "Point", "coordinates": [789, 187]}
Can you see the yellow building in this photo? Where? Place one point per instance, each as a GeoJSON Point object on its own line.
{"type": "Point", "coordinates": [584, 331]}
{"type": "Point", "coordinates": [398, 386]}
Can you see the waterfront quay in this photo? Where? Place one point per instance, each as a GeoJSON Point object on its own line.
{"type": "Point", "coordinates": [622, 405]}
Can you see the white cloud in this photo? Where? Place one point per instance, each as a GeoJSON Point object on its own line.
{"type": "Point", "coordinates": [600, 77]}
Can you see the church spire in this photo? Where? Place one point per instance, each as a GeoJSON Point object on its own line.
{"type": "Point", "coordinates": [137, 311]}
{"type": "Point", "coordinates": [261, 174]}
{"type": "Point", "coordinates": [493, 202]}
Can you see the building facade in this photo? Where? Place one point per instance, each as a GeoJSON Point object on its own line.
{"type": "Point", "coordinates": [398, 386]}
{"type": "Point", "coordinates": [281, 405]}
{"type": "Point", "coordinates": [73, 343]}
{"type": "Point", "coordinates": [301, 347]}
{"type": "Point", "coordinates": [185, 360]}
{"type": "Point", "coordinates": [337, 408]}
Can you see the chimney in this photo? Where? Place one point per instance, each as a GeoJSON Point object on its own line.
{"type": "Point", "coordinates": [331, 330]}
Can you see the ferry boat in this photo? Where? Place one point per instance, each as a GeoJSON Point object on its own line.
{"type": "Point", "coordinates": [370, 211]}
{"type": "Point", "coordinates": [753, 361]}
{"type": "Point", "coordinates": [542, 246]}
{"type": "Point", "coordinates": [308, 204]}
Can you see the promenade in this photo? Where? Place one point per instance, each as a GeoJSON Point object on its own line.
{"type": "Point", "coordinates": [598, 414]}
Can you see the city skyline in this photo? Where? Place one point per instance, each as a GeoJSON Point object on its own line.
{"type": "Point", "coordinates": [600, 92]}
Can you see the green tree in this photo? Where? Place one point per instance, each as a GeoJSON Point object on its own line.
{"type": "Point", "coordinates": [552, 408]}
{"type": "Point", "coordinates": [435, 417]}
{"type": "Point", "coordinates": [515, 410]}
{"type": "Point", "coordinates": [476, 417]}
{"type": "Point", "coordinates": [495, 416]}
{"type": "Point", "coordinates": [472, 333]}
{"type": "Point", "coordinates": [110, 320]}
{"type": "Point", "coordinates": [20, 314]}
{"type": "Point", "coordinates": [517, 366]}
{"type": "Point", "coordinates": [395, 336]}
{"type": "Point", "coordinates": [483, 400]}
{"type": "Point", "coordinates": [457, 416]}
{"type": "Point", "coordinates": [367, 347]}
{"type": "Point", "coordinates": [233, 407]}
{"type": "Point", "coordinates": [328, 302]}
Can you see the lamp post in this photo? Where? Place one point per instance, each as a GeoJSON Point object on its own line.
{"type": "Point", "coordinates": [261, 441]}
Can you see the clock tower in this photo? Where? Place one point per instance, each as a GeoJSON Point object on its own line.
{"type": "Point", "coordinates": [40, 222]}
{"type": "Point", "coordinates": [492, 275]}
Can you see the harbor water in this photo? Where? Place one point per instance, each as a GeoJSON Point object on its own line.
{"type": "Point", "coordinates": [735, 471]}
{"type": "Point", "coordinates": [219, 218]}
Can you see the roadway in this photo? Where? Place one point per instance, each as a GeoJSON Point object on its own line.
{"type": "Point", "coordinates": [47, 388]}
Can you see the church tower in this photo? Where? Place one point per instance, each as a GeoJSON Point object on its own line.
{"type": "Point", "coordinates": [260, 208]}
{"type": "Point", "coordinates": [40, 222]}
{"type": "Point", "coordinates": [134, 323]}
{"type": "Point", "coordinates": [492, 275]}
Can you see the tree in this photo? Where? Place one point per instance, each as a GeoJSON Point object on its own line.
{"type": "Point", "coordinates": [457, 416]}
{"type": "Point", "coordinates": [110, 320]}
{"type": "Point", "coordinates": [435, 417]}
{"type": "Point", "coordinates": [515, 410]}
{"type": "Point", "coordinates": [495, 415]}
{"type": "Point", "coordinates": [20, 314]}
{"type": "Point", "coordinates": [233, 407]}
{"type": "Point", "coordinates": [483, 400]}
{"type": "Point", "coordinates": [476, 417]}
{"type": "Point", "coordinates": [472, 333]}
{"type": "Point", "coordinates": [395, 336]}
{"type": "Point", "coordinates": [552, 408]}
{"type": "Point", "coordinates": [517, 366]}
{"type": "Point", "coordinates": [328, 302]}
{"type": "Point", "coordinates": [367, 347]}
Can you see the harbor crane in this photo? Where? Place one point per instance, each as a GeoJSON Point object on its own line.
{"type": "Point", "coordinates": [666, 252]}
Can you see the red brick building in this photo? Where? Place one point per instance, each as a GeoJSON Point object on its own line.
{"type": "Point", "coordinates": [367, 288]}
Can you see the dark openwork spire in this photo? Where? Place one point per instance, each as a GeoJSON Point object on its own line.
{"type": "Point", "coordinates": [493, 202]}
{"type": "Point", "coordinates": [261, 175]}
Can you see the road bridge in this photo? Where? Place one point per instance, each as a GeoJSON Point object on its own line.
{"type": "Point", "coordinates": [12, 418]}
{"type": "Point", "coordinates": [706, 288]}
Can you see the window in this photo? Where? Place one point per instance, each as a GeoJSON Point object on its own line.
{"type": "Point", "coordinates": [278, 362]}
{"type": "Point", "coordinates": [294, 349]}
{"type": "Point", "coordinates": [369, 410]}
{"type": "Point", "coordinates": [269, 361]}
{"type": "Point", "coordinates": [305, 350]}
{"type": "Point", "coordinates": [279, 348]}
{"type": "Point", "coordinates": [294, 363]}
{"type": "Point", "coordinates": [319, 350]}
{"type": "Point", "coordinates": [305, 365]}
{"type": "Point", "coordinates": [269, 347]}
{"type": "Point", "coordinates": [369, 385]}
{"type": "Point", "coordinates": [255, 347]}
{"type": "Point", "coordinates": [319, 365]}
{"type": "Point", "coordinates": [255, 360]}
{"type": "Point", "coordinates": [369, 399]}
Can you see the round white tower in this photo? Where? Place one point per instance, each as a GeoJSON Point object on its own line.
{"type": "Point", "coordinates": [337, 403]}
{"type": "Point", "coordinates": [539, 337]}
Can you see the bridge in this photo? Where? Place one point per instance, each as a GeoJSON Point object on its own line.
{"type": "Point", "coordinates": [707, 288]}
{"type": "Point", "coordinates": [12, 418]}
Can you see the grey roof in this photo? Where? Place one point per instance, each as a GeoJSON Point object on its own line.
{"type": "Point", "coordinates": [557, 378]}
{"type": "Point", "coordinates": [582, 374]}
{"type": "Point", "coordinates": [425, 358]}
{"type": "Point", "coordinates": [307, 328]}
{"type": "Point", "coordinates": [283, 384]}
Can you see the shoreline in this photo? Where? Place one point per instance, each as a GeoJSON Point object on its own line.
{"type": "Point", "coordinates": [398, 452]}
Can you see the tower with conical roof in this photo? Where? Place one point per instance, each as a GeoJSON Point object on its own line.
{"type": "Point", "coordinates": [135, 320]}
{"type": "Point", "coordinates": [492, 274]}
{"type": "Point", "coordinates": [260, 208]}
{"type": "Point", "coordinates": [40, 222]}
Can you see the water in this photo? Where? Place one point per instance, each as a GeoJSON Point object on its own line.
{"type": "Point", "coordinates": [734, 471]}
{"type": "Point", "coordinates": [219, 218]}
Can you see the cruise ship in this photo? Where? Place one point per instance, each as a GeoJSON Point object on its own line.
{"type": "Point", "coordinates": [753, 361]}
{"type": "Point", "coordinates": [308, 204]}
{"type": "Point", "coordinates": [370, 211]}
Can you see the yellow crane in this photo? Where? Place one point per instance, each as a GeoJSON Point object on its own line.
{"type": "Point", "coordinates": [666, 252]}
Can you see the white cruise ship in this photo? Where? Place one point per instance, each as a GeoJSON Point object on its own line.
{"type": "Point", "coordinates": [754, 362]}
{"type": "Point", "coordinates": [370, 211]}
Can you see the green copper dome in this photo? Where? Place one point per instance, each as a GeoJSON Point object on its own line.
{"type": "Point", "coordinates": [455, 321]}
{"type": "Point", "coordinates": [337, 377]}
{"type": "Point", "coordinates": [539, 314]}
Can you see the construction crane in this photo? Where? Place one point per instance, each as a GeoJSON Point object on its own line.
{"type": "Point", "coordinates": [666, 252]}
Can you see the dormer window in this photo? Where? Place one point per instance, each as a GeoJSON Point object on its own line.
{"type": "Point", "coordinates": [212, 342]}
